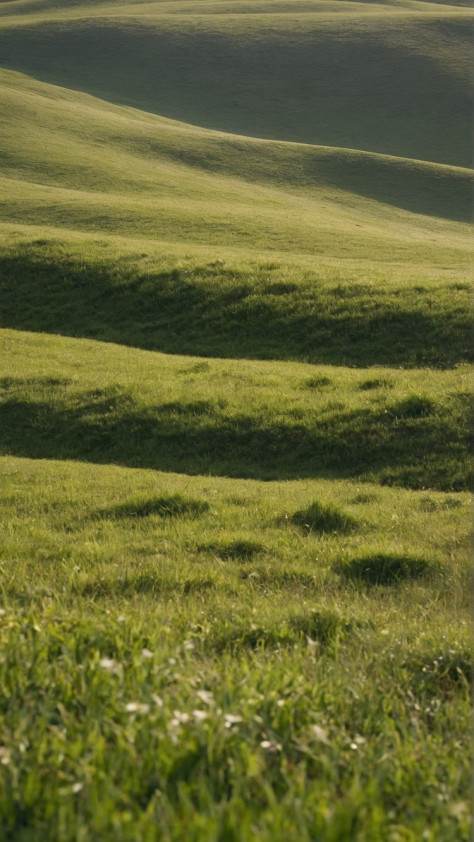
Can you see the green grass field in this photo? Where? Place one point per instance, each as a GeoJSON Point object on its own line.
{"type": "Point", "coordinates": [235, 266]}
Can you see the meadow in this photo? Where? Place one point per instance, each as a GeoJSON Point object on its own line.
{"type": "Point", "coordinates": [235, 267]}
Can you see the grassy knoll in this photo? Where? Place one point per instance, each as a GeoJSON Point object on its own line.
{"type": "Point", "coordinates": [238, 308]}
{"type": "Point", "coordinates": [83, 400]}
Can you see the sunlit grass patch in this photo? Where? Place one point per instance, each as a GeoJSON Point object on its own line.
{"type": "Point", "coordinates": [321, 627]}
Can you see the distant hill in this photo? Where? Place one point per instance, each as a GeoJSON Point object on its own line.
{"type": "Point", "coordinates": [387, 78]}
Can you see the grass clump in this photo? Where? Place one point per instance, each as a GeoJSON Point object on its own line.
{"type": "Point", "coordinates": [387, 569]}
{"type": "Point", "coordinates": [323, 518]}
{"type": "Point", "coordinates": [240, 549]}
{"type": "Point", "coordinates": [445, 671]}
{"type": "Point", "coordinates": [318, 382]}
{"type": "Point", "coordinates": [375, 383]}
{"type": "Point", "coordinates": [165, 506]}
{"type": "Point", "coordinates": [322, 626]}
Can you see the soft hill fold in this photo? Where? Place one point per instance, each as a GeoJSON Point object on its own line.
{"type": "Point", "coordinates": [379, 78]}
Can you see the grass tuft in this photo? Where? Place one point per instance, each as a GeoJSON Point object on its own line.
{"type": "Point", "coordinates": [375, 383]}
{"type": "Point", "coordinates": [166, 506]}
{"type": "Point", "coordinates": [237, 550]}
{"type": "Point", "coordinates": [318, 382]}
{"type": "Point", "coordinates": [323, 518]}
{"type": "Point", "coordinates": [386, 569]}
{"type": "Point", "coordinates": [444, 672]}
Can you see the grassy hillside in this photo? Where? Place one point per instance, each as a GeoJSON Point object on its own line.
{"type": "Point", "coordinates": [387, 78]}
{"type": "Point", "coordinates": [234, 335]}
{"type": "Point", "coordinates": [82, 400]}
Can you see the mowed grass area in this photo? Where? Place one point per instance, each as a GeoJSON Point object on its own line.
{"type": "Point", "coordinates": [234, 345]}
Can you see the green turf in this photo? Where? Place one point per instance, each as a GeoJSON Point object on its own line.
{"type": "Point", "coordinates": [81, 400]}
{"type": "Point", "coordinates": [386, 78]}
{"type": "Point", "coordinates": [235, 264]}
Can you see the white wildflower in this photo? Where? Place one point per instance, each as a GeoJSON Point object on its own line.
{"type": "Point", "coordinates": [5, 755]}
{"type": "Point", "coordinates": [206, 697]}
{"type": "Point", "coordinates": [108, 663]}
{"type": "Point", "coordinates": [232, 719]}
{"type": "Point", "coordinates": [179, 718]}
{"type": "Point", "coordinates": [320, 734]}
{"type": "Point", "coordinates": [137, 707]}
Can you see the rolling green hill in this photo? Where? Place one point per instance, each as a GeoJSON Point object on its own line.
{"type": "Point", "coordinates": [235, 268]}
{"type": "Point", "coordinates": [388, 78]}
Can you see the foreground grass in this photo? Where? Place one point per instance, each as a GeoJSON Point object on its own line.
{"type": "Point", "coordinates": [272, 643]}
{"type": "Point", "coordinates": [183, 653]}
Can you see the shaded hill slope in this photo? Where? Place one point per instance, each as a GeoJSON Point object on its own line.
{"type": "Point", "coordinates": [82, 400]}
{"type": "Point", "coordinates": [390, 79]}
{"type": "Point", "coordinates": [78, 162]}
{"type": "Point", "coordinates": [236, 308]}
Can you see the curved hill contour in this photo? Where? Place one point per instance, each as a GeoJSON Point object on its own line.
{"type": "Point", "coordinates": [393, 79]}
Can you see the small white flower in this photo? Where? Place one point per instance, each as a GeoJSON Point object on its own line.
{"type": "Point", "coordinates": [107, 663]}
{"type": "Point", "coordinates": [320, 734]}
{"type": "Point", "coordinates": [199, 715]}
{"type": "Point", "coordinates": [5, 755]}
{"type": "Point", "coordinates": [188, 645]}
{"type": "Point", "coordinates": [158, 701]}
{"type": "Point", "coordinates": [146, 653]}
{"type": "Point", "coordinates": [137, 707]}
{"type": "Point", "coordinates": [268, 745]}
{"type": "Point", "coordinates": [354, 746]}
{"type": "Point", "coordinates": [77, 787]}
{"type": "Point", "coordinates": [232, 719]}
{"type": "Point", "coordinates": [179, 718]}
{"type": "Point", "coordinates": [205, 696]}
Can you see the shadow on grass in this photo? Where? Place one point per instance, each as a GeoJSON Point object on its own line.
{"type": "Point", "coordinates": [173, 505]}
{"type": "Point", "coordinates": [212, 311]}
{"type": "Point", "coordinates": [239, 550]}
{"type": "Point", "coordinates": [322, 519]}
{"type": "Point", "coordinates": [151, 584]}
{"type": "Point", "coordinates": [412, 443]}
{"type": "Point", "coordinates": [386, 569]}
